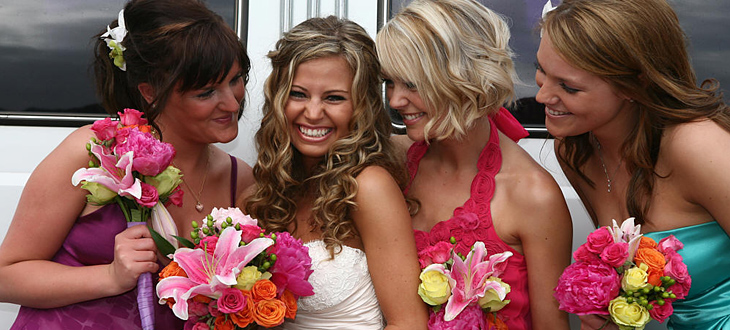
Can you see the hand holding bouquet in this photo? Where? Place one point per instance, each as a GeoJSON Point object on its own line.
{"type": "Point", "coordinates": [130, 167]}
{"type": "Point", "coordinates": [620, 273]}
{"type": "Point", "coordinates": [465, 292]}
{"type": "Point", "coordinates": [233, 276]}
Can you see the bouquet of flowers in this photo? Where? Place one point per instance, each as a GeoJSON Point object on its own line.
{"type": "Point", "coordinates": [469, 287]}
{"type": "Point", "coordinates": [233, 276]}
{"type": "Point", "coordinates": [619, 272]}
{"type": "Point", "coordinates": [130, 167]}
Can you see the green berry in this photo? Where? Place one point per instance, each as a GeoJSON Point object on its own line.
{"type": "Point", "coordinates": [195, 224]}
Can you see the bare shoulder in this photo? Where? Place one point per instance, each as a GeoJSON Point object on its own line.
{"type": "Point", "coordinates": [527, 179]}
{"type": "Point", "coordinates": [402, 143]}
{"type": "Point", "coordinates": [245, 177]}
{"type": "Point", "coordinates": [684, 144]}
{"type": "Point", "coordinates": [373, 179]}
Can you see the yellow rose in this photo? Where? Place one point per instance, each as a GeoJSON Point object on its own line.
{"type": "Point", "coordinates": [249, 275]}
{"type": "Point", "coordinates": [99, 194]}
{"type": "Point", "coordinates": [491, 301]}
{"type": "Point", "coordinates": [434, 288]}
{"type": "Point", "coordinates": [166, 181]}
{"type": "Point", "coordinates": [628, 316]}
{"type": "Point", "coordinates": [635, 278]}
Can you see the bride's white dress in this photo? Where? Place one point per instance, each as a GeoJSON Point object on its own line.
{"type": "Point", "coordinates": [344, 297]}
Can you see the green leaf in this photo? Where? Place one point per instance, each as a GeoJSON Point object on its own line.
{"type": "Point", "coordinates": [163, 245]}
{"type": "Point", "coordinates": [185, 242]}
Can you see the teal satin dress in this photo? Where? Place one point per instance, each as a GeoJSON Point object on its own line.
{"type": "Point", "coordinates": [705, 252]}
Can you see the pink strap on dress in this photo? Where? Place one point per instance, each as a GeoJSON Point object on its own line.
{"type": "Point", "coordinates": [508, 124]}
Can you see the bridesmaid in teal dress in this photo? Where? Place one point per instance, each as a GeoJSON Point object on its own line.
{"type": "Point", "coordinates": [637, 137]}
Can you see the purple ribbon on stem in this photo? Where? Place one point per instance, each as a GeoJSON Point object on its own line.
{"type": "Point", "coordinates": [145, 295]}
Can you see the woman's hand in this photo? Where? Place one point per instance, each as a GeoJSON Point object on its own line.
{"type": "Point", "coordinates": [134, 253]}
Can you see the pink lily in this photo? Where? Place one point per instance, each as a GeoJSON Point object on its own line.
{"type": "Point", "coordinates": [112, 173]}
{"type": "Point", "coordinates": [471, 277]}
{"type": "Point", "coordinates": [628, 233]}
{"type": "Point", "coordinates": [209, 274]}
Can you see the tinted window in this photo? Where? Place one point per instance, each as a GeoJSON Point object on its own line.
{"type": "Point", "coordinates": [704, 22]}
{"type": "Point", "coordinates": [46, 49]}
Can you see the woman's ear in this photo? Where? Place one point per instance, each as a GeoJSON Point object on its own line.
{"type": "Point", "coordinates": [147, 92]}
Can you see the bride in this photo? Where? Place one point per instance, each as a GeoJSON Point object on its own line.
{"type": "Point", "coordinates": [326, 173]}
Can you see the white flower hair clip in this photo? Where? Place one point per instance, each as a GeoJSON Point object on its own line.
{"type": "Point", "coordinates": [546, 9]}
{"type": "Point", "coordinates": [113, 38]}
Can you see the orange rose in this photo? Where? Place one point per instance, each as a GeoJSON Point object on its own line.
{"type": "Point", "coordinates": [172, 269]}
{"type": "Point", "coordinates": [244, 317]}
{"type": "Point", "coordinates": [493, 322]}
{"type": "Point", "coordinates": [223, 323]}
{"type": "Point", "coordinates": [652, 258]}
{"type": "Point", "coordinates": [291, 304]}
{"type": "Point", "coordinates": [654, 278]}
{"type": "Point", "coordinates": [269, 313]}
{"type": "Point", "coordinates": [263, 290]}
{"type": "Point", "coordinates": [647, 242]}
{"type": "Point", "coordinates": [202, 299]}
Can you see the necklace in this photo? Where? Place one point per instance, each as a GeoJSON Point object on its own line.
{"type": "Point", "coordinates": [609, 182]}
{"type": "Point", "coordinates": [199, 206]}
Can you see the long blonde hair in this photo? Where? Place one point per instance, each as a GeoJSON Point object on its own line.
{"type": "Point", "coordinates": [281, 179]}
{"type": "Point", "coordinates": [639, 48]}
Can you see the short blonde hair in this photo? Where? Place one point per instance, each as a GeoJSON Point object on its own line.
{"type": "Point", "coordinates": [456, 52]}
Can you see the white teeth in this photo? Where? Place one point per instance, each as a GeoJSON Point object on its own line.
{"type": "Point", "coordinates": [556, 113]}
{"type": "Point", "coordinates": [412, 116]}
{"type": "Point", "coordinates": [314, 132]}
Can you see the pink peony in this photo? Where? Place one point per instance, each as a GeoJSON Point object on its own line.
{"type": "Point", "coordinates": [208, 243]}
{"type": "Point", "coordinates": [661, 312]}
{"type": "Point", "coordinates": [615, 254]}
{"type": "Point", "coordinates": [471, 318]}
{"type": "Point", "coordinates": [583, 254]}
{"type": "Point", "coordinates": [436, 254]}
{"type": "Point", "coordinates": [151, 156]}
{"type": "Point", "coordinates": [599, 239]}
{"type": "Point", "coordinates": [105, 129]}
{"type": "Point", "coordinates": [587, 288]}
{"type": "Point", "coordinates": [131, 117]}
{"type": "Point", "coordinates": [669, 243]}
{"type": "Point", "coordinates": [249, 232]}
{"type": "Point", "coordinates": [231, 301]}
{"type": "Point", "coordinates": [149, 196]}
{"type": "Point", "coordinates": [292, 267]}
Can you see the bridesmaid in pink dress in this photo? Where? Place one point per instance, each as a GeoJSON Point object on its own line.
{"type": "Point", "coordinates": [448, 71]}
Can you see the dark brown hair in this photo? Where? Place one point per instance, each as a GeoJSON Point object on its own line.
{"type": "Point", "coordinates": [170, 44]}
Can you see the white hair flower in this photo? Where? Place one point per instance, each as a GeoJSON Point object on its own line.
{"type": "Point", "coordinates": [113, 38]}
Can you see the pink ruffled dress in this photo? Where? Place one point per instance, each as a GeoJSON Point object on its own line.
{"type": "Point", "coordinates": [473, 221]}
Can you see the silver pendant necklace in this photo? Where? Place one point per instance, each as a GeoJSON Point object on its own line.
{"type": "Point", "coordinates": [609, 181]}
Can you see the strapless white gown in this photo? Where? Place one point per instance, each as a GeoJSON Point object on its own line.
{"type": "Point", "coordinates": [344, 297]}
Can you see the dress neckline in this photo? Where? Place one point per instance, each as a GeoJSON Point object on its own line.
{"type": "Point", "coordinates": [489, 156]}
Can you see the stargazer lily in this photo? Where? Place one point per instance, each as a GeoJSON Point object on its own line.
{"type": "Point", "coordinates": [209, 274]}
{"type": "Point", "coordinates": [628, 233]}
{"type": "Point", "coordinates": [471, 278]}
{"type": "Point", "coordinates": [112, 173]}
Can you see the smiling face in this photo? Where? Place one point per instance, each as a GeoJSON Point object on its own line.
{"type": "Point", "coordinates": [319, 107]}
{"type": "Point", "coordinates": [404, 98]}
{"type": "Point", "coordinates": [206, 115]}
{"type": "Point", "coordinates": [576, 101]}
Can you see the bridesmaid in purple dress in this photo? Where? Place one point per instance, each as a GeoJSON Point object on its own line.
{"type": "Point", "coordinates": [72, 265]}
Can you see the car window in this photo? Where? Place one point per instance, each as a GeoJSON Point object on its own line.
{"type": "Point", "coordinates": [703, 21]}
{"type": "Point", "coordinates": [46, 50]}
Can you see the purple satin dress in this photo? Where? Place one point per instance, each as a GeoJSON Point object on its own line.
{"type": "Point", "coordinates": [91, 242]}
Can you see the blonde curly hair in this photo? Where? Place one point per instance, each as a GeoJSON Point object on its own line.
{"type": "Point", "coordinates": [281, 179]}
